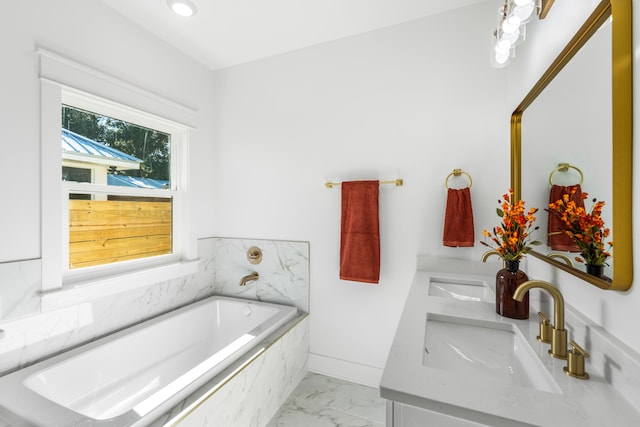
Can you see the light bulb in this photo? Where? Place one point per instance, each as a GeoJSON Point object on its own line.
{"type": "Point", "coordinates": [182, 7]}
{"type": "Point", "coordinates": [503, 45]}
{"type": "Point", "coordinates": [511, 24]}
{"type": "Point", "coordinates": [511, 38]}
{"type": "Point", "coordinates": [501, 58]}
{"type": "Point", "coordinates": [524, 12]}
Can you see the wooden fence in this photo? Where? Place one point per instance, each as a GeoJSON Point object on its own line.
{"type": "Point", "coordinates": [106, 231]}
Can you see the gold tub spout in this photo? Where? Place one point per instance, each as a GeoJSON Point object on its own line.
{"type": "Point", "coordinates": [252, 276]}
{"type": "Point", "coordinates": [559, 333]}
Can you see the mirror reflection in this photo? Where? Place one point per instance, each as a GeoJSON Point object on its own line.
{"type": "Point", "coordinates": [559, 129]}
{"type": "Point", "coordinates": [577, 134]}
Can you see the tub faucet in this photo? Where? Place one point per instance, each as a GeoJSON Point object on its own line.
{"type": "Point", "coordinates": [558, 333]}
{"type": "Point", "coordinates": [252, 276]}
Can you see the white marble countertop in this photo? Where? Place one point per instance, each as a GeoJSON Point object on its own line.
{"type": "Point", "coordinates": [592, 402]}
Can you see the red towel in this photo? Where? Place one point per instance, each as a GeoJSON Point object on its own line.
{"type": "Point", "coordinates": [458, 219]}
{"type": "Point", "coordinates": [360, 232]}
{"type": "Point", "coordinates": [556, 239]}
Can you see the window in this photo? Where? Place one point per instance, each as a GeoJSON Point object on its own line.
{"type": "Point", "coordinates": [142, 185]}
{"type": "Point", "coordinates": [117, 223]}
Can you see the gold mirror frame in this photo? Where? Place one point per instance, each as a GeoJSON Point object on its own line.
{"type": "Point", "coordinates": [622, 138]}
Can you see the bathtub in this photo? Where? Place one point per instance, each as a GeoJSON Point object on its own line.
{"type": "Point", "coordinates": [131, 377]}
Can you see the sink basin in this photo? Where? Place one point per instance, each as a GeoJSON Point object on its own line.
{"type": "Point", "coordinates": [460, 289]}
{"type": "Point", "coordinates": [491, 349]}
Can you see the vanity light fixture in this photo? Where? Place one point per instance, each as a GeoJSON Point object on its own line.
{"type": "Point", "coordinates": [513, 16]}
{"type": "Point", "coordinates": [182, 7]}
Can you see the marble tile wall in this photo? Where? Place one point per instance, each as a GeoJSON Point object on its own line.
{"type": "Point", "coordinates": [284, 271]}
{"type": "Point", "coordinates": [19, 286]}
{"type": "Point", "coordinates": [31, 335]}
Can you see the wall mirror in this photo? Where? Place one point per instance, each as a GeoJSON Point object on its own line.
{"type": "Point", "coordinates": [579, 114]}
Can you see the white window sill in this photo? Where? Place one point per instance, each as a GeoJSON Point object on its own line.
{"type": "Point", "coordinates": [111, 285]}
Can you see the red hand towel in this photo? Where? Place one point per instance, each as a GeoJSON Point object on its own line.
{"type": "Point", "coordinates": [458, 219]}
{"type": "Point", "coordinates": [360, 232]}
{"type": "Point", "coordinates": [556, 239]}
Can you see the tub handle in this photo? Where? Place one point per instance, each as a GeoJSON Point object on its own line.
{"type": "Point", "coordinates": [254, 255]}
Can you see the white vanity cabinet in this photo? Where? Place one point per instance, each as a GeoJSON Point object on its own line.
{"type": "Point", "coordinates": [455, 362]}
{"type": "Point", "coordinates": [402, 415]}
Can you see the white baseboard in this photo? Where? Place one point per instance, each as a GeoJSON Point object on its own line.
{"type": "Point", "coordinates": [345, 370]}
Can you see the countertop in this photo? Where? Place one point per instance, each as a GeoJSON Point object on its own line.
{"type": "Point", "coordinates": [592, 402]}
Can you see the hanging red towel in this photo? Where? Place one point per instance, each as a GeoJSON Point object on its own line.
{"type": "Point", "coordinates": [458, 219]}
{"type": "Point", "coordinates": [360, 232]}
{"type": "Point", "coordinates": [556, 239]}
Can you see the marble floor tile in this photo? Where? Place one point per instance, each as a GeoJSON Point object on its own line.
{"type": "Point", "coordinates": [322, 401]}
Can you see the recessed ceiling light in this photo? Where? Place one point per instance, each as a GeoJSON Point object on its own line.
{"type": "Point", "coordinates": [182, 7]}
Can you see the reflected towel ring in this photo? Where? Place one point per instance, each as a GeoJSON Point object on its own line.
{"type": "Point", "coordinates": [457, 172]}
{"type": "Point", "coordinates": [564, 167]}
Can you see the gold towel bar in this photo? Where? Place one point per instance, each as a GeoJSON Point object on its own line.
{"type": "Point", "coordinates": [457, 172]}
{"type": "Point", "coordinates": [397, 182]}
{"type": "Point", "coordinates": [564, 167]}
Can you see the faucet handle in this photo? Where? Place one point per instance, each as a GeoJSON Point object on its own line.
{"type": "Point", "coordinates": [575, 362]}
{"type": "Point", "coordinates": [545, 328]}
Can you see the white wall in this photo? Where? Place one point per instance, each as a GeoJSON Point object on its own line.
{"type": "Point", "coordinates": [617, 312]}
{"type": "Point", "coordinates": [412, 101]}
{"type": "Point", "coordinates": [92, 34]}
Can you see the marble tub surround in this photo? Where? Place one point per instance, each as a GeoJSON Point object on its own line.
{"type": "Point", "coordinates": [248, 394]}
{"type": "Point", "coordinates": [34, 335]}
{"type": "Point", "coordinates": [20, 283]}
{"type": "Point", "coordinates": [284, 270]}
{"type": "Point", "coordinates": [594, 402]}
{"type": "Point", "coordinates": [321, 401]}
{"type": "Point", "coordinates": [132, 377]}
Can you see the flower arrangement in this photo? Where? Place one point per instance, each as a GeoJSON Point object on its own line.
{"type": "Point", "coordinates": [585, 228]}
{"type": "Point", "coordinates": [512, 238]}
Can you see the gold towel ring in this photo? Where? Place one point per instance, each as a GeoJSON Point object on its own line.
{"type": "Point", "coordinates": [564, 167]}
{"type": "Point", "coordinates": [457, 172]}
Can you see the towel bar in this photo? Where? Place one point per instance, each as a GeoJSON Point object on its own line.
{"type": "Point", "coordinates": [397, 182]}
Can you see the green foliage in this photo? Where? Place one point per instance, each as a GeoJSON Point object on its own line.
{"type": "Point", "coordinates": [151, 146]}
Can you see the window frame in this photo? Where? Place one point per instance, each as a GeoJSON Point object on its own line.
{"type": "Point", "coordinates": [63, 81]}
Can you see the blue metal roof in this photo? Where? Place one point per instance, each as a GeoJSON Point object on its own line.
{"type": "Point", "coordinates": [132, 181]}
{"type": "Point", "coordinates": [74, 143]}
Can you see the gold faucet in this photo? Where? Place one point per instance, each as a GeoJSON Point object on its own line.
{"type": "Point", "coordinates": [252, 276]}
{"type": "Point", "coordinates": [559, 333]}
{"type": "Point", "coordinates": [487, 254]}
{"type": "Point", "coordinates": [563, 257]}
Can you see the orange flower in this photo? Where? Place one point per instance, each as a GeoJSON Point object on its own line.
{"type": "Point", "coordinates": [510, 238]}
{"type": "Point", "coordinates": [585, 228]}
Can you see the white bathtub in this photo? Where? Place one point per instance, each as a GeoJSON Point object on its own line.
{"type": "Point", "coordinates": [133, 376]}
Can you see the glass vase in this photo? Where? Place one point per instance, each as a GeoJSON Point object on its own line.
{"type": "Point", "coordinates": [595, 270]}
{"type": "Point", "coordinates": [507, 280]}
